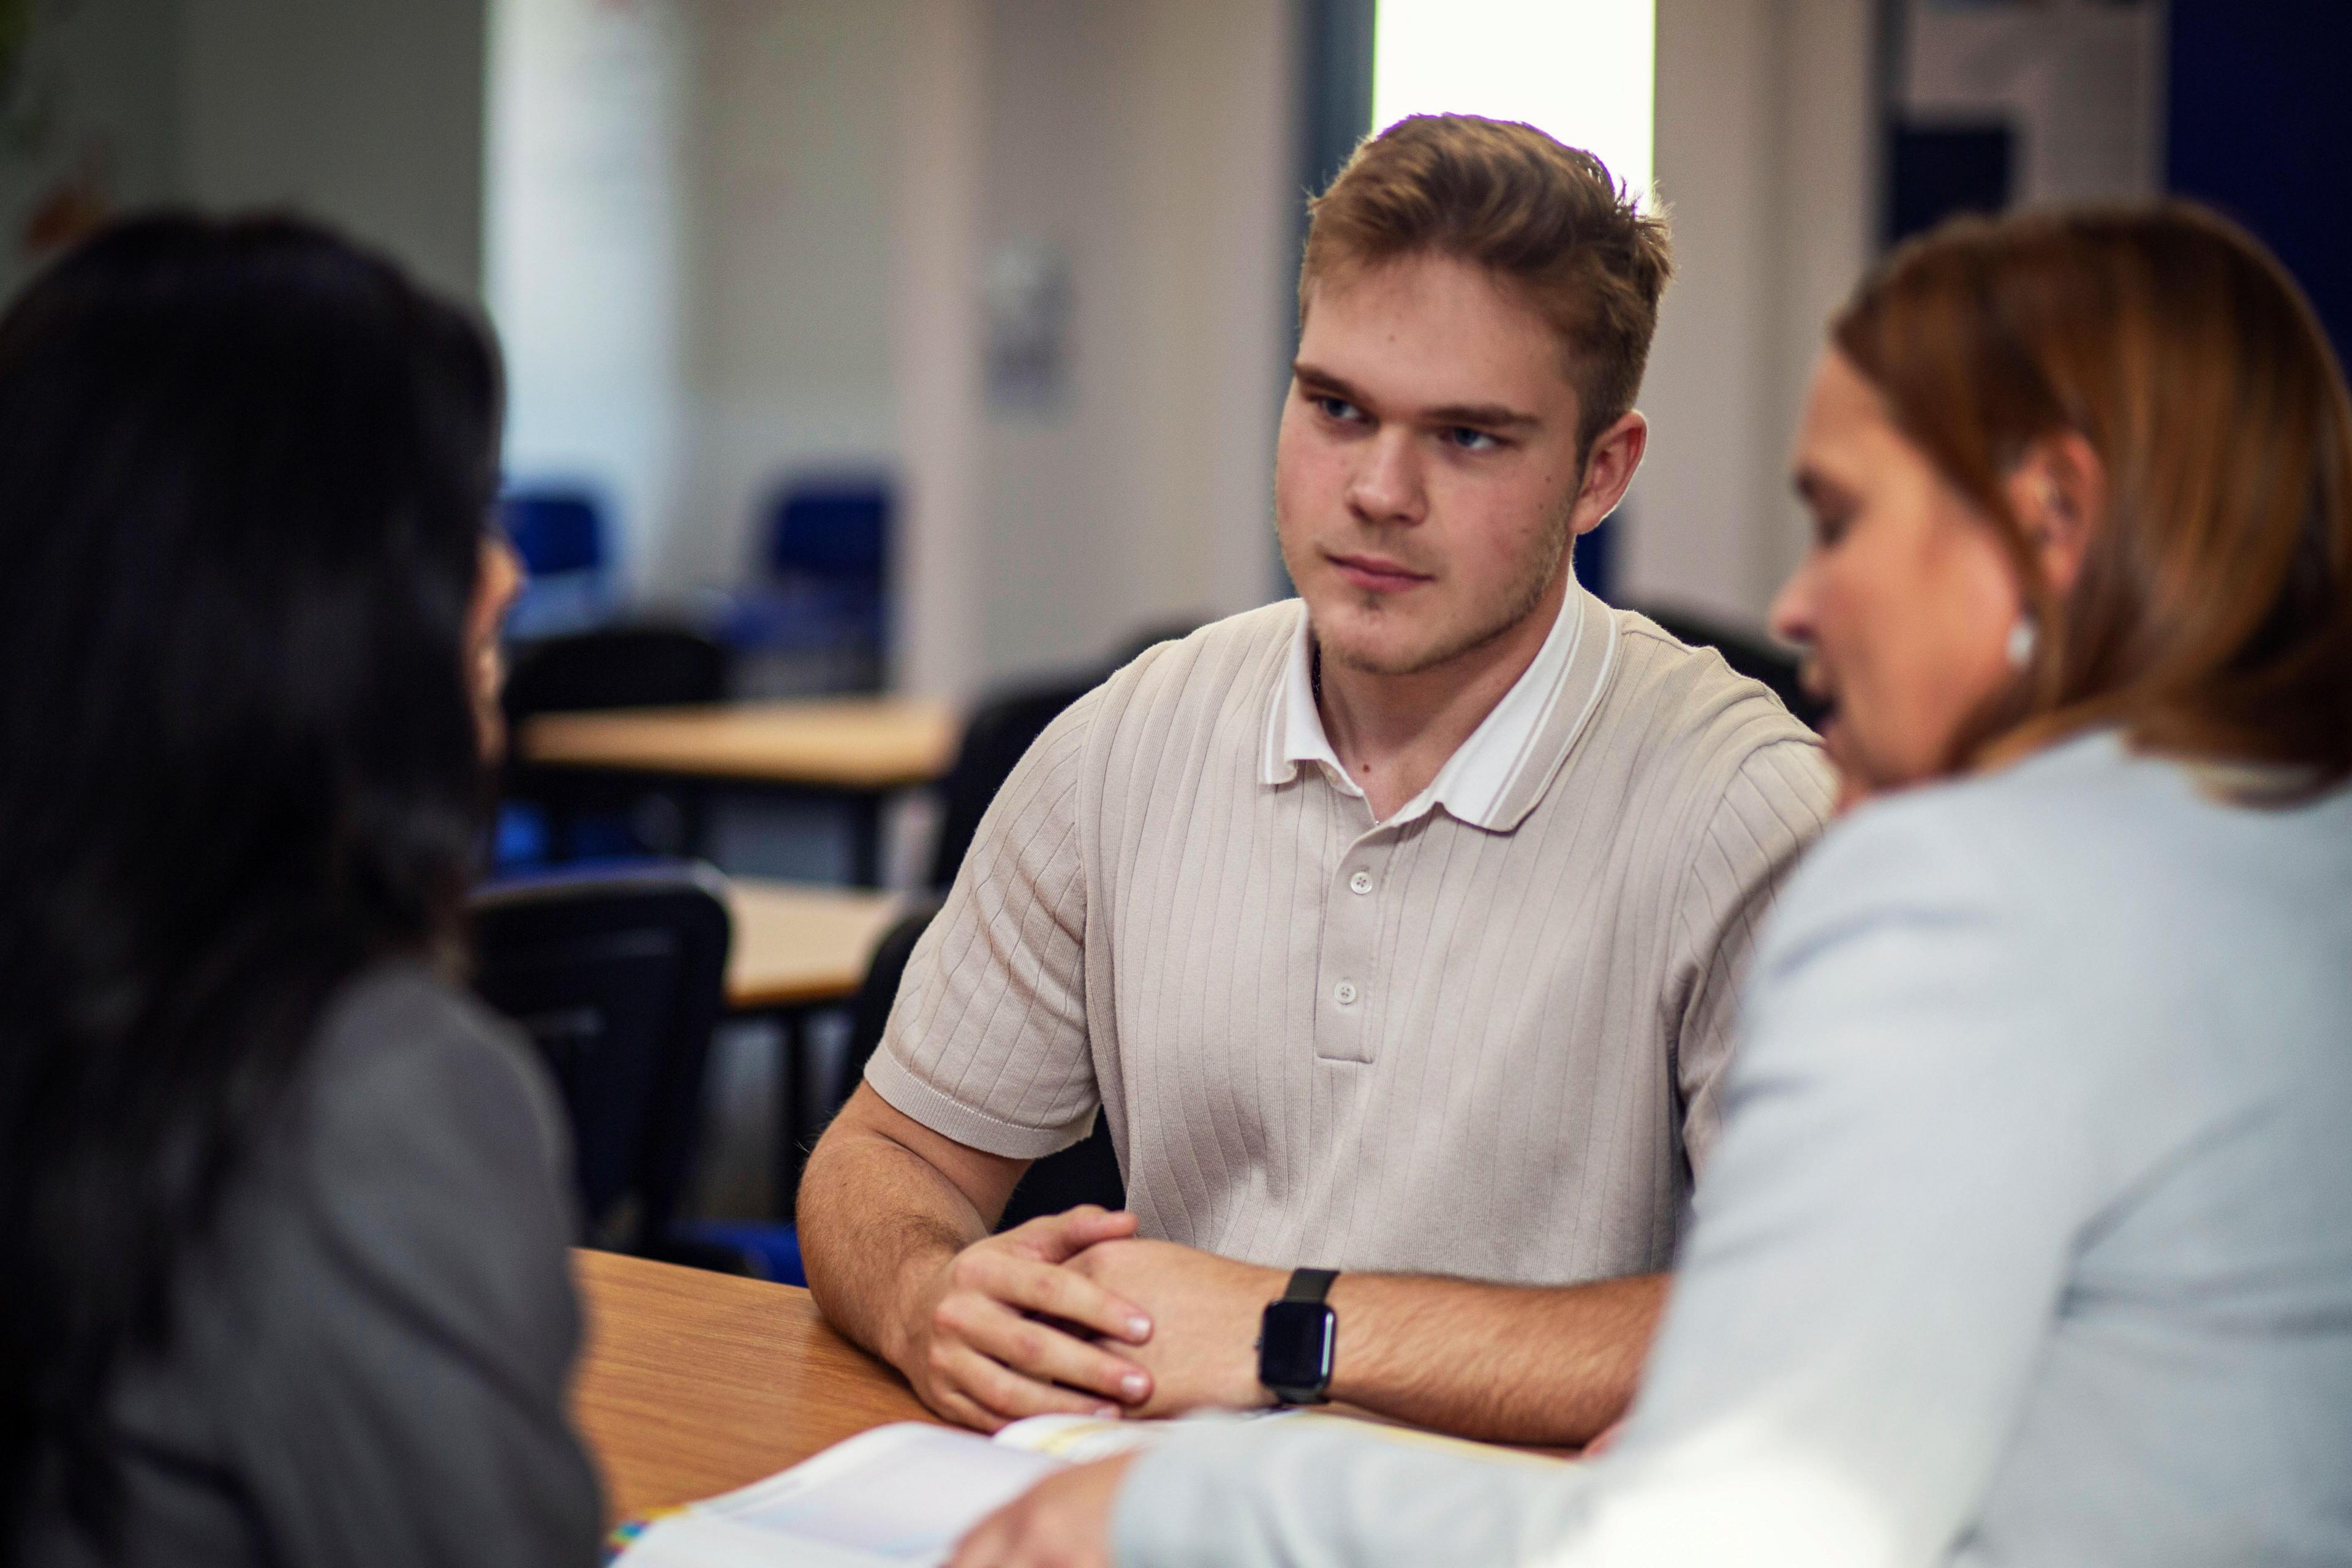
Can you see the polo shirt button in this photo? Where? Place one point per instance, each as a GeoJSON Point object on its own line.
{"type": "Point", "coordinates": [1344, 993]}
{"type": "Point", "coordinates": [1362, 882]}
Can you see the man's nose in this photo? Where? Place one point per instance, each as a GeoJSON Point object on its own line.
{"type": "Point", "coordinates": [1388, 488]}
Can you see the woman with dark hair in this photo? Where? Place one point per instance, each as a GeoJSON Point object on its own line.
{"type": "Point", "coordinates": [2028, 1239]}
{"type": "Point", "coordinates": [282, 1216]}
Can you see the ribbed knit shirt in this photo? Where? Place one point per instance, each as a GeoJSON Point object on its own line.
{"type": "Point", "coordinates": [1483, 1038]}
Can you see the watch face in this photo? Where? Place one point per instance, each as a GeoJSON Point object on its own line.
{"type": "Point", "coordinates": [1296, 1350]}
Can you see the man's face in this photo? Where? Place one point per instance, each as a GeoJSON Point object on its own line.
{"type": "Point", "coordinates": [1427, 471]}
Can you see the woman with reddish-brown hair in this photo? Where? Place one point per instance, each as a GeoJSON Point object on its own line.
{"type": "Point", "coordinates": [2029, 1236]}
{"type": "Point", "coordinates": [2119, 440]}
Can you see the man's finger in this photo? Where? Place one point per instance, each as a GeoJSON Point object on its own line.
{"type": "Point", "coordinates": [1058, 1237]}
{"type": "Point", "coordinates": [962, 1409]}
{"type": "Point", "coordinates": [1042, 1351]}
{"type": "Point", "coordinates": [1007, 1394]}
{"type": "Point", "coordinates": [1063, 1293]}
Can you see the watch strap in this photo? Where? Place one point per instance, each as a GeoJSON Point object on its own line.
{"type": "Point", "coordinates": [1309, 1284]}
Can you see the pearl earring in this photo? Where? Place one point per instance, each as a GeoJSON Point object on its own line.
{"type": "Point", "coordinates": [2022, 638]}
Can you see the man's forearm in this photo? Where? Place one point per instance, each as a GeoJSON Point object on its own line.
{"type": "Point", "coordinates": [1504, 1362]}
{"type": "Point", "coordinates": [875, 1219]}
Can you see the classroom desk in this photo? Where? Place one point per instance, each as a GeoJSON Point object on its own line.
{"type": "Point", "coordinates": [801, 945]}
{"type": "Point", "coordinates": [799, 948]}
{"type": "Point", "coordinates": [858, 751]}
{"type": "Point", "coordinates": [693, 1384]}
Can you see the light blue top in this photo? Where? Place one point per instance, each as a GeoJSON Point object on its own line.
{"type": "Point", "coordinates": [2028, 1239]}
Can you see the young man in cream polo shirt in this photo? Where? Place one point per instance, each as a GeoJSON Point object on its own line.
{"type": "Point", "coordinates": [1394, 928]}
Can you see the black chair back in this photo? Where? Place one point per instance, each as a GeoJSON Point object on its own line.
{"type": "Point", "coordinates": [1150, 637]}
{"type": "Point", "coordinates": [618, 666]}
{"type": "Point", "coordinates": [1001, 730]}
{"type": "Point", "coordinates": [871, 1011]}
{"type": "Point", "coordinates": [1748, 651]}
{"type": "Point", "coordinates": [619, 978]}
{"type": "Point", "coordinates": [1086, 1172]}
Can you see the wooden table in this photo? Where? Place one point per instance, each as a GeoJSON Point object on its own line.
{"type": "Point", "coordinates": [799, 944]}
{"type": "Point", "coordinates": [858, 751]}
{"type": "Point", "coordinates": [695, 1383]}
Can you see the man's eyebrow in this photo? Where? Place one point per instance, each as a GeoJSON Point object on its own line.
{"type": "Point", "coordinates": [1486, 415]}
{"type": "Point", "coordinates": [1323, 380]}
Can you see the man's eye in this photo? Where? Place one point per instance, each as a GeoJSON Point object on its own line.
{"type": "Point", "coordinates": [1469, 440]}
{"type": "Point", "coordinates": [1338, 408]}
{"type": "Point", "coordinates": [1830, 527]}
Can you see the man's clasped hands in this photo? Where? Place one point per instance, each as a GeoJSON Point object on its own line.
{"type": "Point", "coordinates": [1074, 1313]}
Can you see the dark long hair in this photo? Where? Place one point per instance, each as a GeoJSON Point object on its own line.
{"type": "Point", "coordinates": [2212, 617]}
{"type": "Point", "coordinates": [245, 474]}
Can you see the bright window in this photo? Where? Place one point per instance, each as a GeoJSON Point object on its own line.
{"type": "Point", "coordinates": [1582, 69]}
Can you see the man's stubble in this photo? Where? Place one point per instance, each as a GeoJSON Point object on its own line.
{"type": "Point", "coordinates": [1527, 591]}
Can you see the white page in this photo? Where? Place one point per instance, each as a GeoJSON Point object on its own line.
{"type": "Point", "coordinates": [901, 1495]}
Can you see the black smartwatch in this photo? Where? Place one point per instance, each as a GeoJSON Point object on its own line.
{"type": "Point", "coordinates": [1296, 1337]}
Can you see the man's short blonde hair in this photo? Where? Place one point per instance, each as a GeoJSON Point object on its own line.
{"type": "Point", "coordinates": [1549, 221]}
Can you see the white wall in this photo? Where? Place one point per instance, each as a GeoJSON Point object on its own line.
{"type": "Point", "coordinates": [1213, 203]}
{"type": "Point", "coordinates": [692, 209]}
{"type": "Point", "coordinates": [1767, 137]}
{"type": "Point", "coordinates": [841, 172]}
{"type": "Point", "coordinates": [365, 113]}
{"type": "Point", "coordinates": [1150, 144]}
{"type": "Point", "coordinates": [733, 237]}
{"type": "Point", "coordinates": [88, 118]}
{"type": "Point", "coordinates": [586, 273]}
{"type": "Point", "coordinates": [936, 344]}
{"type": "Point", "coordinates": [792, 167]}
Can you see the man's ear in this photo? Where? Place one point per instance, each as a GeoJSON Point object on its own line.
{"type": "Point", "coordinates": [1609, 468]}
{"type": "Point", "coordinates": [2058, 492]}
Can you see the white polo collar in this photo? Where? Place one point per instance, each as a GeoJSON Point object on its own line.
{"type": "Point", "coordinates": [1496, 776]}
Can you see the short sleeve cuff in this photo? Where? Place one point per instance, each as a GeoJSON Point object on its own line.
{"type": "Point", "coordinates": [910, 1096]}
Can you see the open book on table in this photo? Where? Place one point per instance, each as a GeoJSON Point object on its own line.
{"type": "Point", "coordinates": [902, 1496]}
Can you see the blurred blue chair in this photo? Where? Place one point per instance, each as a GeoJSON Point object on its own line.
{"type": "Point", "coordinates": [826, 565]}
{"type": "Point", "coordinates": [767, 1249]}
{"type": "Point", "coordinates": [560, 532]}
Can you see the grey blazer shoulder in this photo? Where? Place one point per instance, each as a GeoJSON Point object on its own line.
{"type": "Point", "coordinates": [369, 1359]}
